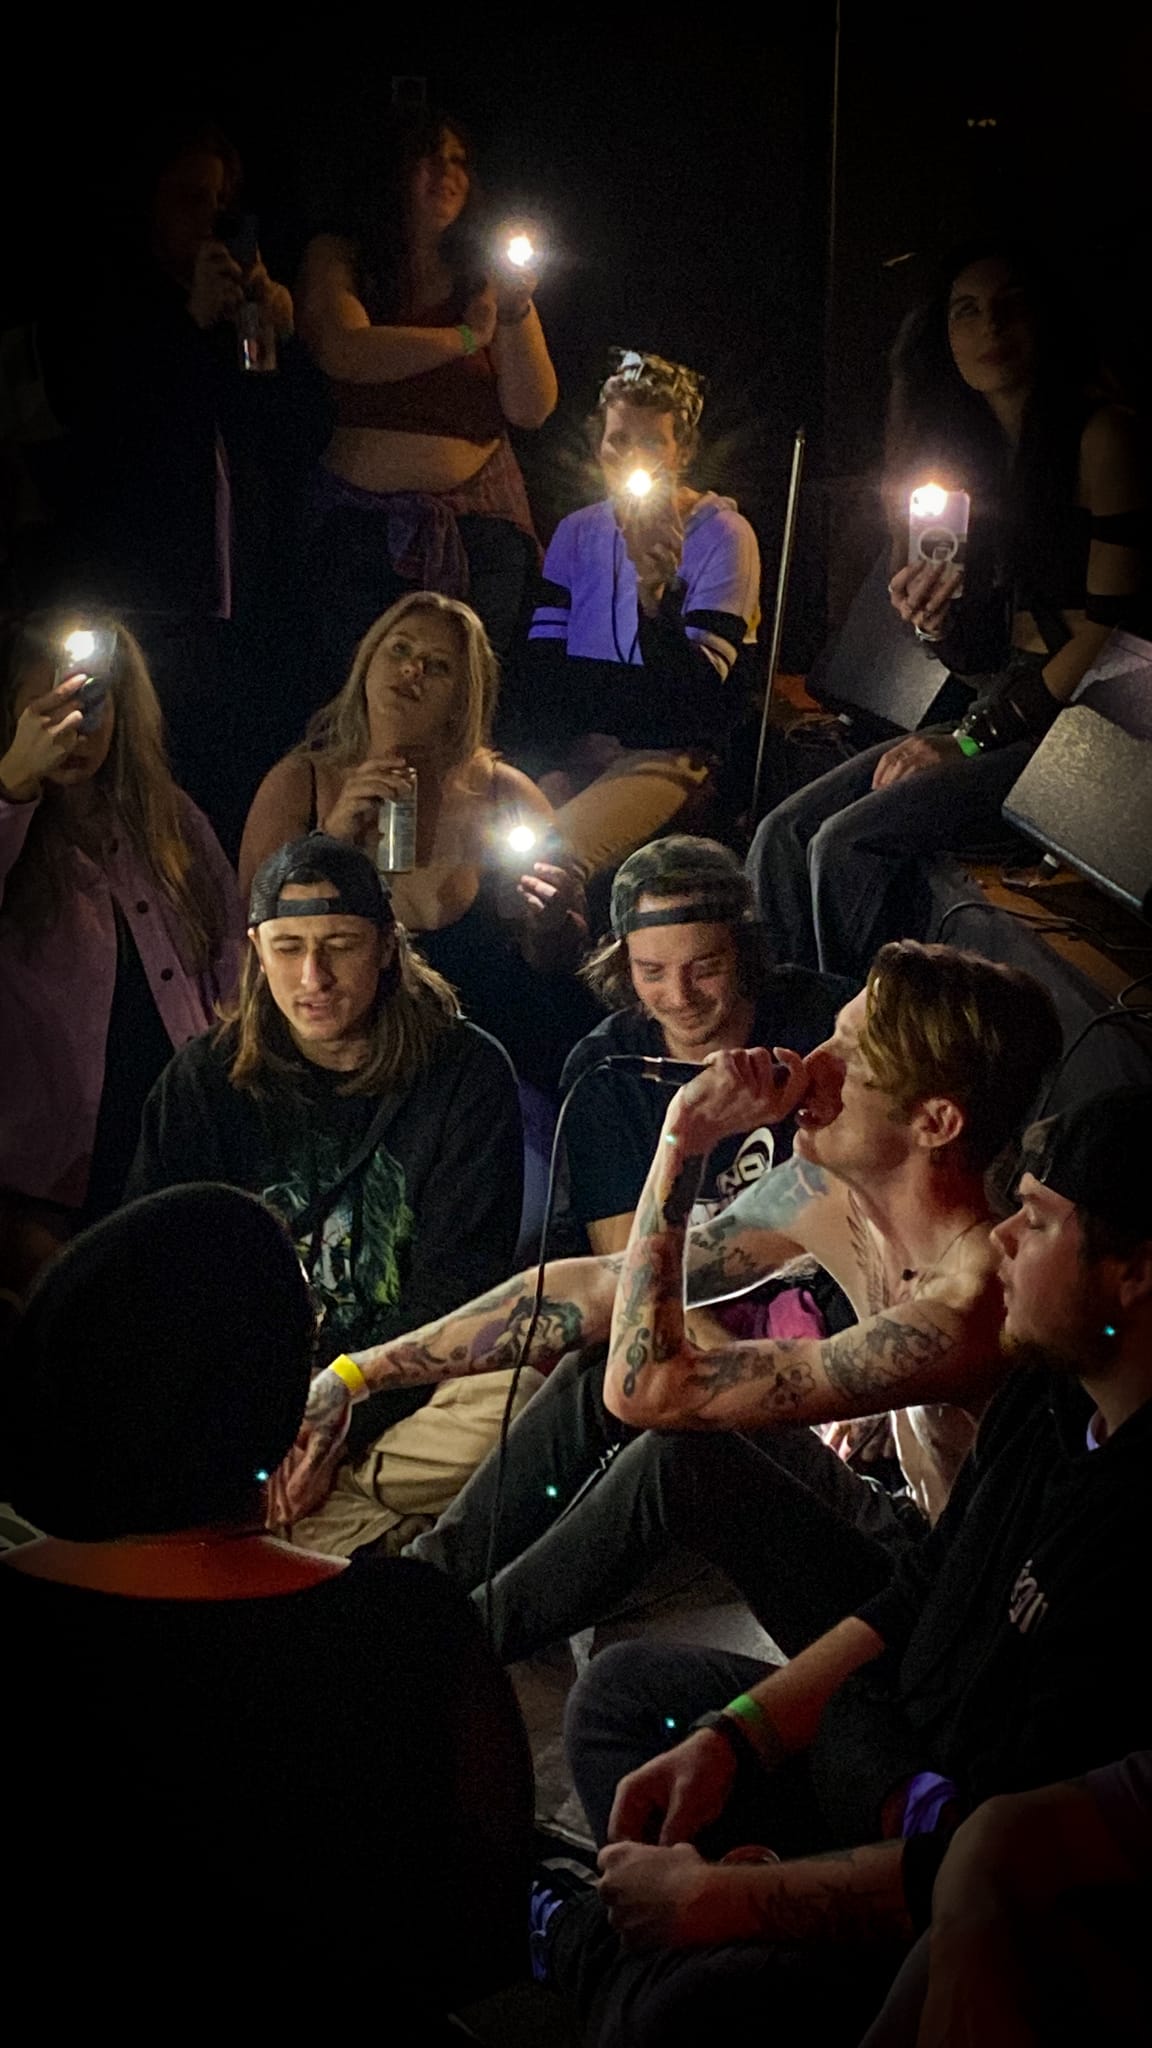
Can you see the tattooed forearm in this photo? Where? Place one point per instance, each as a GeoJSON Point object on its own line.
{"type": "Point", "coordinates": [639, 1331]}
{"type": "Point", "coordinates": [783, 1381]}
{"type": "Point", "coordinates": [683, 1191]}
{"type": "Point", "coordinates": [648, 1320]}
{"type": "Point", "coordinates": [846, 1895]}
{"type": "Point", "coordinates": [882, 1357]}
{"type": "Point", "coordinates": [777, 1198]}
{"type": "Point", "coordinates": [729, 1253]}
{"type": "Point", "coordinates": [486, 1335]}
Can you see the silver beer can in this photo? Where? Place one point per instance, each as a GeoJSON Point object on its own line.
{"type": "Point", "coordinates": [396, 823]}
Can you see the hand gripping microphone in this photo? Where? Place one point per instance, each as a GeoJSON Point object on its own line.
{"type": "Point", "coordinates": [670, 1073]}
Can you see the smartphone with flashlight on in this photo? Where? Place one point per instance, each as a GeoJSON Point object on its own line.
{"type": "Point", "coordinates": [523, 838]}
{"type": "Point", "coordinates": [88, 651]}
{"type": "Point", "coordinates": [938, 528]}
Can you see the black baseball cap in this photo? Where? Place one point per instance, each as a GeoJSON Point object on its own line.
{"type": "Point", "coordinates": [1098, 1156]}
{"type": "Point", "coordinates": [360, 890]}
{"type": "Point", "coordinates": [681, 865]}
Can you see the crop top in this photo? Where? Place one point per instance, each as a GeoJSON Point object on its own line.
{"type": "Point", "coordinates": [458, 400]}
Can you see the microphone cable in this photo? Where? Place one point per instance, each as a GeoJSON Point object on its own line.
{"type": "Point", "coordinates": [665, 1073]}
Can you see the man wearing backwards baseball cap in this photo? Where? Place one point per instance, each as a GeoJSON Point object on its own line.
{"type": "Point", "coordinates": [1013, 1656]}
{"type": "Point", "coordinates": [346, 1090]}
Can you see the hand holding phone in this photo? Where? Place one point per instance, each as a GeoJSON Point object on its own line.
{"type": "Point", "coordinates": [88, 653]}
{"type": "Point", "coordinates": [938, 528]}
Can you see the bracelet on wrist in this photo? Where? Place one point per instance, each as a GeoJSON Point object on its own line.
{"type": "Point", "coordinates": [346, 1369]}
{"type": "Point", "coordinates": [468, 340]}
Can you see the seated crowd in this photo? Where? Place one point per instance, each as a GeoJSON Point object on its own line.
{"type": "Point", "coordinates": [296, 1457]}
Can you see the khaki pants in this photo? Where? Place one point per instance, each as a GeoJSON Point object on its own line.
{"type": "Point", "coordinates": [417, 1467]}
{"type": "Point", "coordinates": [627, 805]}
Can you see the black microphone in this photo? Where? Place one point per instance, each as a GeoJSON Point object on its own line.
{"type": "Point", "coordinates": [668, 1073]}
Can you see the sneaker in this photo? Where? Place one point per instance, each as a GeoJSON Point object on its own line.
{"type": "Point", "coordinates": [557, 1885]}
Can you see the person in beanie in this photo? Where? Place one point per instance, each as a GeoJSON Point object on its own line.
{"type": "Point", "coordinates": [685, 973]}
{"type": "Point", "coordinates": [384, 1130]}
{"type": "Point", "coordinates": [170, 1662]}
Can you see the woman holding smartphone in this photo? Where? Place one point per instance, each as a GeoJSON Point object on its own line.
{"type": "Point", "coordinates": [120, 929]}
{"type": "Point", "coordinates": [991, 395]}
{"type": "Point", "coordinates": [429, 361]}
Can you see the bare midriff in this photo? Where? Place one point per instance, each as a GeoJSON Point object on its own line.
{"type": "Point", "coordinates": [377, 459]}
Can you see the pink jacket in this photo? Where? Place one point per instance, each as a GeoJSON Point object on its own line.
{"type": "Point", "coordinates": [56, 1000]}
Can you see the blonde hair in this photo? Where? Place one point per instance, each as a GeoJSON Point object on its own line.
{"type": "Point", "coordinates": [942, 1022]}
{"type": "Point", "coordinates": [338, 733]}
{"type": "Point", "coordinates": [135, 782]}
{"type": "Point", "coordinates": [414, 1008]}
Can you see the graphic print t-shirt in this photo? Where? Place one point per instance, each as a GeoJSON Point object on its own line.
{"type": "Point", "coordinates": [356, 1254]}
{"type": "Point", "coordinates": [426, 1221]}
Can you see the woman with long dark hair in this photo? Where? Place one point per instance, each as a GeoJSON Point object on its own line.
{"type": "Point", "coordinates": [432, 349]}
{"type": "Point", "coordinates": [992, 394]}
{"type": "Point", "coordinates": [120, 929]}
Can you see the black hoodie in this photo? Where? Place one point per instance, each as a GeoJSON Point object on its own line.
{"type": "Point", "coordinates": [1016, 1632]}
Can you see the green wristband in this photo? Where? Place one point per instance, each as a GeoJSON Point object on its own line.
{"type": "Point", "coordinates": [745, 1708]}
{"type": "Point", "coordinates": [468, 338]}
{"type": "Point", "coordinates": [967, 744]}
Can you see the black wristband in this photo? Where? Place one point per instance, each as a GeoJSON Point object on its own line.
{"type": "Point", "coordinates": [734, 1732]}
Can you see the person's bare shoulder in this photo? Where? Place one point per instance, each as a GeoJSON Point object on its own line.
{"type": "Point", "coordinates": [510, 786]}
{"type": "Point", "coordinates": [281, 809]}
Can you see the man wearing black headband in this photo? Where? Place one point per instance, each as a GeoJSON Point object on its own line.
{"type": "Point", "coordinates": [1008, 1652]}
{"type": "Point", "coordinates": [686, 973]}
{"type": "Point", "coordinates": [348, 1092]}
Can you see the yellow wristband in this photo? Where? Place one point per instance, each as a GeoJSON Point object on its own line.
{"type": "Point", "coordinates": [346, 1369]}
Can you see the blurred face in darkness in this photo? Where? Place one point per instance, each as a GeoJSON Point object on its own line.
{"type": "Point", "coordinates": [637, 437]}
{"type": "Point", "coordinates": [189, 194]}
{"type": "Point", "coordinates": [991, 331]}
{"type": "Point", "coordinates": [439, 189]}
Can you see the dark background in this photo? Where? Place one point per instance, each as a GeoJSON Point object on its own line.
{"type": "Point", "coordinates": [681, 166]}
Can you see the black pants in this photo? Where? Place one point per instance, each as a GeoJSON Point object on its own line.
{"type": "Point", "coordinates": [839, 867]}
{"type": "Point", "coordinates": [353, 582]}
{"type": "Point", "coordinates": [635, 1700]}
{"type": "Point", "coordinates": [589, 1508]}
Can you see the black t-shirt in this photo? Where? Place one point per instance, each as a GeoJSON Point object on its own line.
{"type": "Point", "coordinates": [1015, 1631]}
{"type": "Point", "coordinates": [613, 1123]}
{"type": "Point", "coordinates": [202, 1783]}
{"type": "Point", "coordinates": [429, 1219]}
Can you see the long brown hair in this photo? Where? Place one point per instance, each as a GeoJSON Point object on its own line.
{"type": "Point", "coordinates": [414, 1008]}
{"type": "Point", "coordinates": [338, 734]}
{"type": "Point", "coordinates": [136, 785]}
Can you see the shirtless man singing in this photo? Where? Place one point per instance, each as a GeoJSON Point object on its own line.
{"type": "Point", "coordinates": [683, 1438]}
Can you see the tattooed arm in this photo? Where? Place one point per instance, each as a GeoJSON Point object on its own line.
{"type": "Point", "coordinates": [671, 1898]}
{"type": "Point", "coordinates": [664, 1373]}
{"type": "Point", "coordinates": [485, 1335]}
